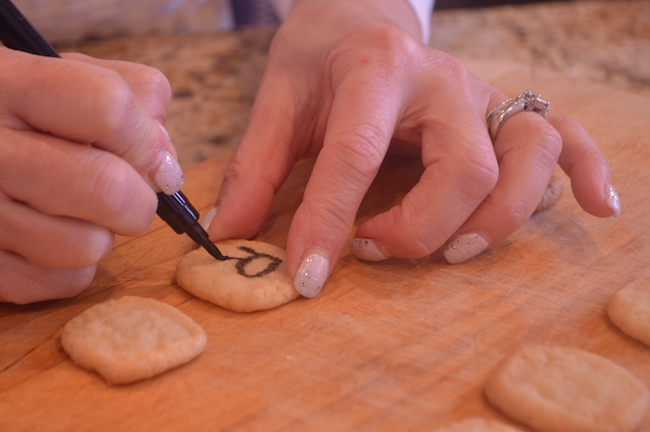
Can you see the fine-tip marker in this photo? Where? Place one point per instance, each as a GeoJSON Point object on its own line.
{"type": "Point", "coordinates": [17, 33]}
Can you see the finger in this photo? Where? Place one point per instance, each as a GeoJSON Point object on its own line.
{"type": "Point", "coordinates": [60, 178]}
{"type": "Point", "coordinates": [359, 130]}
{"type": "Point", "coordinates": [149, 85]}
{"type": "Point", "coordinates": [261, 163]}
{"type": "Point", "coordinates": [460, 171]}
{"type": "Point", "coordinates": [585, 165]}
{"type": "Point", "coordinates": [51, 241]}
{"type": "Point", "coordinates": [527, 148]}
{"type": "Point", "coordinates": [23, 282]}
{"type": "Point", "coordinates": [99, 109]}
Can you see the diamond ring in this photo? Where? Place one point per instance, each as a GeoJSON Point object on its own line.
{"type": "Point", "coordinates": [527, 101]}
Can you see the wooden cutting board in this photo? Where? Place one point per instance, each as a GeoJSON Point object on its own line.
{"type": "Point", "coordinates": [393, 346]}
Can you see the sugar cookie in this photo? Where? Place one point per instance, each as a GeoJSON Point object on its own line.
{"type": "Point", "coordinates": [132, 338]}
{"type": "Point", "coordinates": [552, 193]}
{"type": "Point", "coordinates": [553, 389]}
{"type": "Point", "coordinates": [476, 424]}
{"type": "Point", "coordinates": [257, 279]}
{"type": "Point", "coordinates": [629, 309]}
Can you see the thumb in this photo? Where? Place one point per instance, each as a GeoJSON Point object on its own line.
{"type": "Point", "coordinates": [260, 165]}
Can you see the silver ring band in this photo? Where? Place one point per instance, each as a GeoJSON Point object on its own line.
{"type": "Point", "coordinates": [527, 101]}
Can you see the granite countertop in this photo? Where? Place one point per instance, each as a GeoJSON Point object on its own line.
{"type": "Point", "coordinates": [215, 76]}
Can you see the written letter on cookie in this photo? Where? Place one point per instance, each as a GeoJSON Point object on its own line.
{"type": "Point", "coordinates": [255, 278]}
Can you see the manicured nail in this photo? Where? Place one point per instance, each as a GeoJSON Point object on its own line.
{"type": "Point", "coordinates": [311, 275]}
{"type": "Point", "coordinates": [165, 131]}
{"type": "Point", "coordinates": [367, 249]}
{"type": "Point", "coordinates": [612, 200]}
{"type": "Point", "coordinates": [169, 177]}
{"type": "Point", "coordinates": [206, 220]}
{"type": "Point", "coordinates": [464, 247]}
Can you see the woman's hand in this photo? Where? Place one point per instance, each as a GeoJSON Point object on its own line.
{"type": "Point", "coordinates": [82, 149]}
{"type": "Point", "coordinates": [344, 80]}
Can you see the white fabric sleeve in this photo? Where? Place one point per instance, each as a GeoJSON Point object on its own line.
{"type": "Point", "coordinates": [282, 8]}
{"type": "Point", "coordinates": [422, 8]}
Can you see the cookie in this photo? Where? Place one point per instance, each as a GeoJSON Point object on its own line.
{"type": "Point", "coordinates": [552, 193]}
{"type": "Point", "coordinates": [132, 338]}
{"type": "Point", "coordinates": [255, 279]}
{"type": "Point", "coordinates": [629, 309]}
{"type": "Point", "coordinates": [553, 389]}
{"type": "Point", "coordinates": [476, 424]}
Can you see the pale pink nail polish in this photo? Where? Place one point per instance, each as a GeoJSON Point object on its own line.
{"type": "Point", "coordinates": [206, 220]}
{"type": "Point", "coordinates": [367, 249]}
{"type": "Point", "coordinates": [165, 131]}
{"type": "Point", "coordinates": [169, 176]}
{"type": "Point", "coordinates": [612, 200]}
{"type": "Point", "coordinates": [464, 247]}
{"type": "Point", "coordinates": [311, 275]}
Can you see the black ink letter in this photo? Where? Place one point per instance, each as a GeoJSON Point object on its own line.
{"type": "Point", "coordinates": [243, 262]}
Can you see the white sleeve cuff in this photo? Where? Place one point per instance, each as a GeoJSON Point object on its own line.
{"type": "Point", "coordinates": [282, 8]}
{"type": "Point", "coordinates": [422, 8]}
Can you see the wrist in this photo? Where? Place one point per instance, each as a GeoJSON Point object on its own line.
{"type": "Point", "coordinates": [412, 16]}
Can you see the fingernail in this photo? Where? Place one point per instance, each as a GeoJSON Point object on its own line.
{"type": "Point", "coordinates": [206, 220]}
{"type": "Point", "coordinates": [464, 247]}
{"type": "Point", "coordinates": [367, 249]}
{"type": "Point", "coordinates": [169, 176]}
{"type": "Point", "coordinates": [612, 200]}
{"type": "Point", "coordinates": [165, 131]}
{"type": "Point", "coordinates": [311, 275]}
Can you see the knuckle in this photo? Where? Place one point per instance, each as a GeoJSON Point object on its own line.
{"type": "Point", "coordinates": [391, 44]}
{"type": "Point", "coordinates": [592, 156]}
{"type": "Point", "coordinates": [550, 145]}
{"type": "Point", "coordinates": [100, 244]}
{"type": "Point", "coordinates": [114, 194]}
{"type": "Point", "coordinates": [479, 173]}
{"type": "Point", "coordinates": [85, 249]}
{"type": "Point", "coordinates": [69, 283]}
{"type": "Point", "coordinates": [239, 173]}
{"type": "Point", "coordinates": [39, 283]}
{"type": "Point", "coordinates": [235, 171]}
{"type": "Point", "coordinates": [330, 216]}
{"type": "Point", "coordinates": [518, 213]}
{"type": "Point", "coordinates": [452, 66]}
{"type": "Point", "coordinates": [89, 244]}
{"type": "Point", "coordinates": [567, 123]}
{"type": "Point", "coordinates": [155, 80]}
{"type": "Point", "coordinates": [419, 243]}
{"type": "Point", "coordinates": [453, 80]}
{"type": "Point", "coordinates": [113, 102]}
{"type": "Point", "coordinates": [413, 236]}
{"type": "Point", "coordinates": [388, 48]}
{"type": "Point", "coordinates": [361, 151]}
{"type": "Point", "coordinates": [105, 183]}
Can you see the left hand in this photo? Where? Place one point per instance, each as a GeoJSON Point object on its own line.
{"type": "Point", "coordinates": [345, 80]}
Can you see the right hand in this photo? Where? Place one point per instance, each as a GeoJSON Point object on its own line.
{"type": "Point", "coordinates": [82, 152]}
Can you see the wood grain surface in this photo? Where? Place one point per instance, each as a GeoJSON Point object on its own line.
{"type": "Point", "coordinates": [402, 345]}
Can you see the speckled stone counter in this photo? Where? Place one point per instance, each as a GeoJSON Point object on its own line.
{"type": "Point", "coordinates": [607, 41]}
{"type": "Point", "coordinates": [214, 79]}
{"type": "Point", "coordinates": [215, 76]}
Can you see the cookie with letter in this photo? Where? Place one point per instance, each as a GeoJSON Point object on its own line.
{"type": "Point", "coordinates": [254, 278]}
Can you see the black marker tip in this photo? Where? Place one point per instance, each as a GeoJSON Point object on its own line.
{"type": "Point", "coordinates": [198, 234]}
{"type": "Point", "coordinates": [179, 214]}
